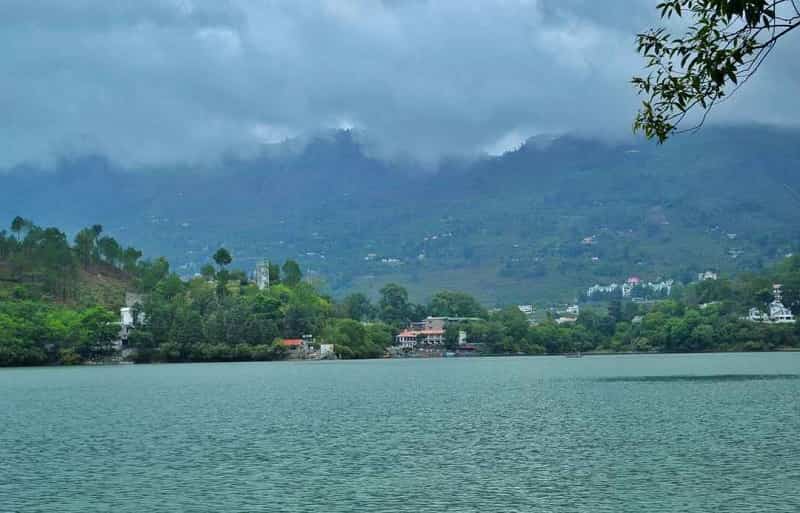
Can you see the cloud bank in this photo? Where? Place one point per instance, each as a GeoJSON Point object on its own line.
{"type": "Point", "coordinates": [163, 81]}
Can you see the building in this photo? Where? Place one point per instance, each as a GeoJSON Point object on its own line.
{"type": "Point", "coordinates": [129, 316]}
{"type": "Point", "coordinates": [299, 347]}
{"type": "Point", "coordinates": [756, 315]}
{"type": "Point", "coordinates": [326, 351]}
{"type": "Point", "coordinates": [626, 289]}
{"type": "Point", "coordinates": [439, 323]}
{"type": "Point", "coordinates": [411, 339]}
{"type": "Point", "coordinates": [261, 275]}
{"type": "Point", "coordinates": [708, 275]}
{"type": "Point", "coordinates": [430, 332]}
{"type": "Point", "coordinates": [292, 344]}
{"type": "Point", "coordinates": [778, 313]}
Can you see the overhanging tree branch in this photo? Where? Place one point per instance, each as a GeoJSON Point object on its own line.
{"type": "Point", "coordinates": [724, 45]}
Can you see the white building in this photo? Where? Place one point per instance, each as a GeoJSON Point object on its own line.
{"type": "Point", "coordinates": [128, 318]}
{"type": "Point", "coordinates": [778, 313]}
{"type": "Point", "coordinates": [708, 275]}
{"type": "Point", "coordinates": [526, 309]}
{"type": "Point", "coordinates": [262, 275]}
{"type": "Point", "coordinates": [626, 289]}
{"type": "Point", "coordinates": [326, 351]}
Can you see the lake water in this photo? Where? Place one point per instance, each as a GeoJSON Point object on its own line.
{"type": "Point", "coordinates": [671, 433]}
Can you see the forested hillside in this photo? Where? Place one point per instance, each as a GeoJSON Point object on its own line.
{"type": "Point", "coordinates": [58, 305]}
{"type": "Point", "coordinates": [537, 224]}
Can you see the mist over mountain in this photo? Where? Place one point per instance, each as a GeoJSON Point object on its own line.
{"type": "Point", "coordinates": [536, 224]}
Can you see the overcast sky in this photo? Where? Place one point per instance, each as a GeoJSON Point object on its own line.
{"type": "Point", "coordinates": [157, 81]}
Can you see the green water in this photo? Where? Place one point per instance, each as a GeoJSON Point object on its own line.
{"type": "Point", "coordinates": [693, 433]}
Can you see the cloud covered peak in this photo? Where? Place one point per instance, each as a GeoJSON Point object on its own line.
{"type": "Point", "coordinates": [158, 81]}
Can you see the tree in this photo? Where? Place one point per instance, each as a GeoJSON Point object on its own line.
{"type": "Point", "coordinates": [84, 245]}
{"type": "Point", "coordinates": [129, 259]}
{"type": "Point", "coordinates": [222, 257]}
{"type": "Point", "coordinates": [393, 305]}
{"type": "Point", "coordinates": [357, 307]}
{"type": "Point", "coordinates": [99, 332]}
{"type": "Point", "coordinates": [452, 333]}
{"type": "Point", "coordinates": [109, 249]}
{"type": "Point", "coordinates": [19, 225]}
{"type": "Point", "coordinates": [223, 276]}
{"type": "Point", "coordinates": [615, 310]}
{"type": "Point", "coordinates": [455, 304]}
{"type": "Point", "coordinates": [291, 273]}
{"type": "Point", "coordinates": [207, 272]}
{"type": "Point", "coordinates": [723, 46]}
{"type": "Point", "coordinates": [95, 231]}
{"type": "Point", "coordinates": [274, 274]}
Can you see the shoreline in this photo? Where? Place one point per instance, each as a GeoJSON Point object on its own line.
{"type": "Point", "coordinates": [557, 355]}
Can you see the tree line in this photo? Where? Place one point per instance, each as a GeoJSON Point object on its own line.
{"type": "Point", "coordinates": [44, 263]}
{"type": "Point", "coordinates": [221, 315]}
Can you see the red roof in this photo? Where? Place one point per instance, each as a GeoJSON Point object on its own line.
{"type": "Point", "coordinates": [634, 280]}
{"type": "Point", "coordinates": [293, 342]}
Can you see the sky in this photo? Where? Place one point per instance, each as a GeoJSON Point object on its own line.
{"type": "Point", "coordinates": [174, 81]}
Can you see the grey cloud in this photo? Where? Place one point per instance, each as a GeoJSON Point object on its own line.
{"type": "Point", "coordinates": [158, 81]}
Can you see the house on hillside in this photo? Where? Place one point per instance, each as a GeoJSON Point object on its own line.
{"type": "Point", "coordinates": [129, 316]}
{"type": "Point", "coordinates": [261, 275]}
{"type": "Point", "coordinates": [778, 312]}
{"type": "Point", "coordinates": [707, 275]}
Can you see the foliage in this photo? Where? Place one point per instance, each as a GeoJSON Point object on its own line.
{"type": "Point", "coordinates": [455, 304]}
{"type": "Point", "coordinates": [393, 306]}
{"type": "Point", "coordinates": [723, 46]}
{"type": "Point", "coordinates": [190, 320]}
{"type": "Point", "coordinates": [222, 257]}
{"type": "Point", "coordinates": [504, 229]}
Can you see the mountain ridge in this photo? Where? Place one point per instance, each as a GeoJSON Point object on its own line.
{"type": "Point", "coordinates": [508, 228]}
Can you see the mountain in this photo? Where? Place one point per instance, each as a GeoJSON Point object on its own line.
{"type": "Point", "coordinates": [536, 224]}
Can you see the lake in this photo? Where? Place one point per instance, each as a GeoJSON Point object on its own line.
{"type": "Point", "coordinates": [660, 433]}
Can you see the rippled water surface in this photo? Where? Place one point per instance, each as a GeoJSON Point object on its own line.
{"type": "Point", "coordinates": [699, 433]}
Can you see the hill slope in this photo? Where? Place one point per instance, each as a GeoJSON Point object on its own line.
{"type": "Point", "coordinates": [536, 224]}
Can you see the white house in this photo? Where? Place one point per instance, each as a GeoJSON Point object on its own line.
{"type": "Point", "coordinates": [262, 275]}
{"type": "Point", "coordinates": [708, 275]}
{"type": "Point", "coordinates": [778, 313]}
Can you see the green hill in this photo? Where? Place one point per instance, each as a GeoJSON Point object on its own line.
{"type": "Point", "coordinates": [507, 229]}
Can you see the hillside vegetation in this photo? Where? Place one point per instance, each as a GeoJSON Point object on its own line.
{"type": "Point", "coordinates": [57, 306]}
{"type": "Point", "coordinates": [508, 229]}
